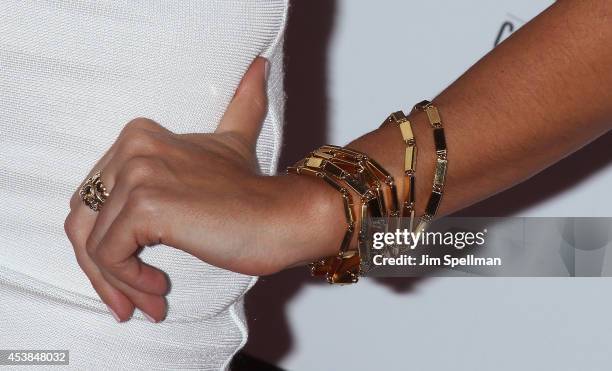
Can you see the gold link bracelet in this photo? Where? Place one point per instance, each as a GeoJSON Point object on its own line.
{"type": "Point", "coordinates": [348, 170]}
{"type": "Point", "coordinates": [381, 201]}
{"type": "Point", "coordinates": [441, 163]}
{"type": "Point", "coordinates": [332, 268]}
{"type": "Point", "coordinates": [410, 158]}
{"type": "Point", "coordinates": [345, 169]}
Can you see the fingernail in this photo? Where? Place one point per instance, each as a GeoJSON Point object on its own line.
{"type": "Point", "coordinates": [151, 319]}
{"type": "Point", "coordinates": [114, 314]}
{"type": "Point", "coordinates": [267, 69]}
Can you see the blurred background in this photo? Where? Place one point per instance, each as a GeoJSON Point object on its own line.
{"type": "Point", "coordinates": [349, 64]}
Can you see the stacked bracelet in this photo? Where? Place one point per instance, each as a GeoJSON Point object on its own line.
{"type": "Point", "coordinates": [329, 267]}
{"type": "Point", "coordinates": [348, 170]}
{"type": "Point", "coordinates": [441, 163]}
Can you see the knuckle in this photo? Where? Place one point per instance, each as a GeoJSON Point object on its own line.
{"type": "Point", "coordinates": [136, 141]}
{"type": "Point", "coordinates": [139, 123]}
{"type": "Point", "coordinates": [143, 201]}
{"type": "Point", "coordinates": [138, 170]}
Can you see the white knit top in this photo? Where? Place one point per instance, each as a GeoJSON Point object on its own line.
{"type": "Point", "coordinates": [72, 74]}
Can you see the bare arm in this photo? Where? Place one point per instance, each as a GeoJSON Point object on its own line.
{"type": "Point", "coordinates": [541, 95]}
{"type": "Point", "coordinates": [538, 97]}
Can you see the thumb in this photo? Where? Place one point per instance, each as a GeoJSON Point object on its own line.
{"type": "Point", "coordinates": [246, 111]}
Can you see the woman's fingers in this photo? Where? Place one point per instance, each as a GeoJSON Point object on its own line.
{"type": "Point", "coordinates": [143, 284]}
{"type": "Point", "coordinates": [130, 167]}
{"type": "Point", "coordinates": [77, 230]}
{"type": "Point", "coordinates": [245, 113]}
{"type": "Point", "coordinates": [136, 173]}
{"type": "Point", "coordinates": [135, 226]}
{"type": "Point", "coordinates": [78, 225]}
{"type": "Point", "coordinates": [81, 223]}
{"type": "Point", "coordinates": [154, 307]}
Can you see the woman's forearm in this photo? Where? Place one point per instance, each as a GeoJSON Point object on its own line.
{"type": "Point", "coordinates": [541, 95]}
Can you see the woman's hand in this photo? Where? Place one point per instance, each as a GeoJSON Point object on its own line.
{"type": "Point", "coordinates": [200, 193]}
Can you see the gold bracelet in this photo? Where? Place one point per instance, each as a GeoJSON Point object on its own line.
{"type": "Point", "coordinates": [441, 163]}
{"type": "Point", "coordinates": [380, 183]}
{"type": "Point", "coordinates": [345, 169]}
{"type": "Point", "coordinates": [410, 157]}
{"type": "Point", "coordinates": [330, 267]}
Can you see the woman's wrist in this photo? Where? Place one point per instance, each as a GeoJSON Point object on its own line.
{"type": "Point", "coordinates": [309, 214]}
{"type": "Point", "coordinates": [306, 218]}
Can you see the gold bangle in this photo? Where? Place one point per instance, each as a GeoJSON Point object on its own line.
{"type": "Point", "coordinates": [433, 115]}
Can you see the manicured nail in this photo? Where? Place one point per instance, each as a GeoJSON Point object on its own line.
{"type": "Point", "coordinates": [151, 319]}
{"type": "Point", "coordinates": [114, 314]}
{"type": "Point", "coordinates": [267, 69]}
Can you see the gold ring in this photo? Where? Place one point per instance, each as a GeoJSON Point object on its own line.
{"type": "Point", "coordinates": [93, 192]}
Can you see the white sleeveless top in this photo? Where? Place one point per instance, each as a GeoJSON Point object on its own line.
{"type": "Point", "coordinates": [72, 74]}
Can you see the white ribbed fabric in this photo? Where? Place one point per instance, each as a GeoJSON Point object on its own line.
{"type": "Point", "coordinates": [72, 73]}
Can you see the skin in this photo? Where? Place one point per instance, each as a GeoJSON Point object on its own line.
{"type": "Point", "coordinates": [541, 95]}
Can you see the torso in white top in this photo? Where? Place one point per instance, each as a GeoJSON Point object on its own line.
{"type": "Point", "coordinates": [72, 73]}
